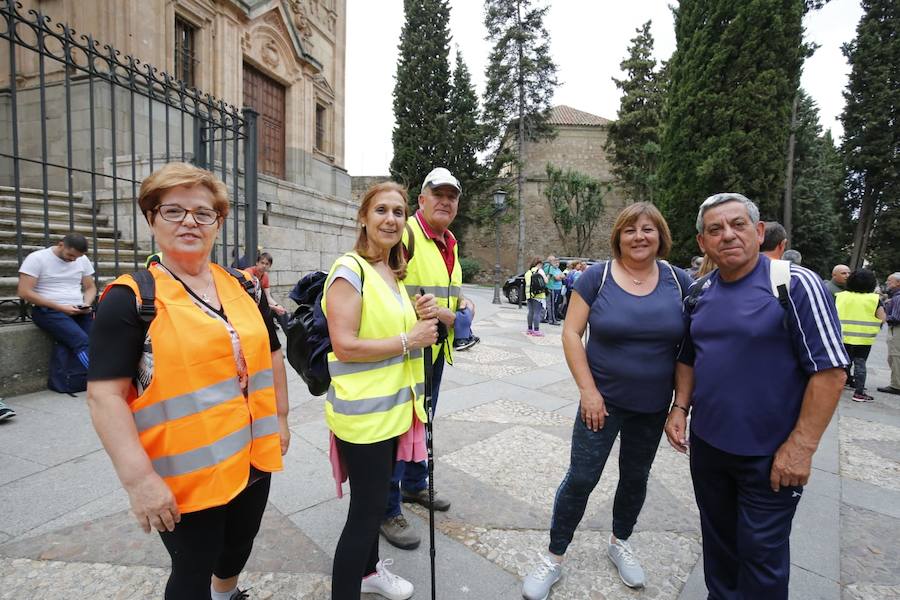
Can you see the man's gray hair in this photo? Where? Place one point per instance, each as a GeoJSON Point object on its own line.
{"type": "Point", "coordinates": [895, 276]}
{"type": "Point", "coordinates": [793, 256]}
{"type": "Point", "coordinates": [717, 199]}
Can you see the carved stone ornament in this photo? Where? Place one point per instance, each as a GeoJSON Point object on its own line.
{"type": "Point", "coordinates": [301, 20]}
{"type": "Point", "coordinates": [270, 55]}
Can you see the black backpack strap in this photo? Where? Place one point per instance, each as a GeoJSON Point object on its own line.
{"type": "Point", "coordinates": [147, 290]}
{"type": "Point", "coordinates": [245, 281]}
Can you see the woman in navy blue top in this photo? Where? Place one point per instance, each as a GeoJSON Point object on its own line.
{"type": "Point", "coordinates": [625, 376]}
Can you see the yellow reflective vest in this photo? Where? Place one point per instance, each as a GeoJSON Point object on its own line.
{"type": "Point", "coordinates": [427, 271]}
{"type": "Point", "coordinates": [857, 314]}
{"type": "Point", "coordinates": [372, 401]}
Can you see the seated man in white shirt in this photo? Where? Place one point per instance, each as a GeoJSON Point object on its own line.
{"type": "Point", "coordinates": [58, 282]}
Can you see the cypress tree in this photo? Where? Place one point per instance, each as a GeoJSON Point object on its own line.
{"type": "Point", "coordinates": [818, 176]}
{"type": "Point", "coordinates": [521, 79]}
{"type": "Point", "coordinates": [632, 144]}
{"type": "Point", "coordinates": [871, 144]}
{"type": "Point", "coordinates": [731, 82]}
{"type": "Point", "coordinates": [467, 137]}
{"type": "Point", "coordinates": [421, 134]}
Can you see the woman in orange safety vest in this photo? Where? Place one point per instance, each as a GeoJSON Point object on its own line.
{"type": "Point", "coordinates": [192, 407]}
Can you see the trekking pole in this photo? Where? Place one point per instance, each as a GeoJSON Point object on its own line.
{"type": "Point", "coordinates": [429, 447]}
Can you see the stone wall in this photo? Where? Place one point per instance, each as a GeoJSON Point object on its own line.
{"type": "Point", "coordinates": [574, 147]}
{"type": "Point", "coordinates": [24, 355]}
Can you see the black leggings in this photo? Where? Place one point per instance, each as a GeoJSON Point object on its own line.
{"type": "Point", "coordinates": [369, 468]}
{"type": "Point", "coordinates": [216, 541]}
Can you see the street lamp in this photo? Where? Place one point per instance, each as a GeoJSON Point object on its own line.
{"type": "Point", "coordinates": [499, 207]}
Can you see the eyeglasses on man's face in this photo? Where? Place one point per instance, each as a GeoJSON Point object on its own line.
{"type": "Point", "coordinates": [176, 214]}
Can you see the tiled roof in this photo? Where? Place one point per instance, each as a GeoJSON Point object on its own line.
{"type": "Point", "coordinates": [566, 115]}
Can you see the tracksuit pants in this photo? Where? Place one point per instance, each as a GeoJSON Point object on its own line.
{"type": "Point", "coordinates": [746, 526]}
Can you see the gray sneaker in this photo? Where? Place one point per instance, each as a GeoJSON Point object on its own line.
{"type": "Point", "coordinates": [397, 531]}
{"type": "Point", "coordinates": [621, 555]}
{"type": "Point", "coordinates": [538, 583]}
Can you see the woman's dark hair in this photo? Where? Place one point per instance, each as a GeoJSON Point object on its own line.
{"type": "Point", "coordinates": [535, 261]}
{"type": "Point", "coordinates": [861, 281]}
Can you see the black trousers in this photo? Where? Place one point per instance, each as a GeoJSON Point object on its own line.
{"type": "Point", "coordinates": [215, 541]}
{"type": "Point", "coordinates": [369, 469]}
{"type": "Point", "coordinates": [746, 526]}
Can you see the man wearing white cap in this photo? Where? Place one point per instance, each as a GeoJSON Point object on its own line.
{"type": "Point", "coordinates": [433, 266]}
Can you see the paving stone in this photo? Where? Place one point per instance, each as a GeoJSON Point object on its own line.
{"type": "Point", "coordinates": [869, 550]}
{"type": "Point", "coordinates": [306, 479]}
{"type": "Point", "coordinates": [54, 580]}
{"type": "Point", "coordinates": [55, 491]}
{"type": "Point", "coordinates": [666, 557]}
{"type": "Point", "coordinates": [509, 411]}
{"type": "Point", "coordinates": [859, 462]}
{"type": "Point", "coordinates": [14, 467]}
{"type": "Point", "coordinates": [870, 497]}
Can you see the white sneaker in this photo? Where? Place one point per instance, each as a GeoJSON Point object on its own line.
{"type": "Point", "coordinates": [630, 570]}
{"type": "Point", "coordinates": [538, 583]}
{"type": "Point", "coordinates": [386, 583]}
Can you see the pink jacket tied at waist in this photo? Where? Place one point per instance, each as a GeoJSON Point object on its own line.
{"type": "Point", "coordinates": [410, 448]}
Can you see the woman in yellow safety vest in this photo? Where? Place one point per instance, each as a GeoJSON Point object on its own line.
{"type": "Point", "coordinates": [861, 313]}
{"type": "Point", "coordinates": [191, 408]}
{"type": "Point", "coordinates": [374, 406]}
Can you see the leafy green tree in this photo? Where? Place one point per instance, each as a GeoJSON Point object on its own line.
{"type": "Point", "coordinates": [632, 144]}
{"type": "Point", "coordinates": [576, 203]}
{"type": "Point", "coordinates": [421, 135]}
{"type": "Point", "coordinates": [818, 176]}
{"type": "Point", "coordinates": [467, 140]}
{"type": "Point", "coordinates": [871, 120]}
{"type": "Point", "coordinates": [731, 82]}
{"type": "Point", "coordinates": [521, 79]}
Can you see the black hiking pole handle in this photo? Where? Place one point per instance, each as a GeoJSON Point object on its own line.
{"type": "Point", "coordinates": [429, 447]}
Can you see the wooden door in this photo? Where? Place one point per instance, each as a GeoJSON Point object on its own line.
{"type": "Point", "coordinates": [266, 96]}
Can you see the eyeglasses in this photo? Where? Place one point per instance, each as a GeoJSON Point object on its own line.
{"type": "Point", "coordinates": [176, 214]}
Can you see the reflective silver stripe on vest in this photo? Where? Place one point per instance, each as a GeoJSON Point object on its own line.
{"type": "Point", "coordinates": [198, 401]}
{"type": "Point", "coordinates": [859, 334]}
{"type": "Point", "coordinates": [338, 368]}
{"type": "Point", "coordinates": [265, 426]}
{"type": "Point", "coordinates": [439, 291]}
{"type": "Point", "coordinates": [367, 406]}
{"type": "Point", "coordinates": [200, 458]}
{"type": "Point", "coordinates": [863, 323]}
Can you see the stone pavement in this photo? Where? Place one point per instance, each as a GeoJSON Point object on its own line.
{"type": "Point", "coordinates": [502, 442]}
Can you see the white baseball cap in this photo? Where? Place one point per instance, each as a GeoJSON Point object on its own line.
{"type": "Point", "coordinates": [441, 176]}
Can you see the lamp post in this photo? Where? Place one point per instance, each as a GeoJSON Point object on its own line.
{"type": "Point", "coordinates": [499, 207]}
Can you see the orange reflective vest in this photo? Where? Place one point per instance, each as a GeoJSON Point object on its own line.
{"type": "Point", "coordinates": [199, 431]}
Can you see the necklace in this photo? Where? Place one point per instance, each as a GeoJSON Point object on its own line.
{"type": "Point", "coordinates": [205, 294]}
{"type": "Point", "coordinates": [634, 280]}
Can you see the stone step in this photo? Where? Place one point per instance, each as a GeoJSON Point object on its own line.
{"type": "Point", "coordinates": [56, 228]}
{"type": "Point", "coordinates": [10, 283]}
{"type": "Point", "coordinates": [126, 254]}
{"type": "Point", "coordinates": [62, 205]}
{"type": "Point", "coordinates": [24, 192]}
{"type": "Point", "coordinates": [9, 267]}
{"type": "Point", "coordinates": [36, 238]}
{"type": "Point", "coordinates": [56, 215]}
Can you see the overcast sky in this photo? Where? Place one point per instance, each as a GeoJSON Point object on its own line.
{"type": "Point", "coordinates": [588, 40]}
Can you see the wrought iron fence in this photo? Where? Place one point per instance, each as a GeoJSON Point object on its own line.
{"type": "Point", "coordinates": [84, 124]}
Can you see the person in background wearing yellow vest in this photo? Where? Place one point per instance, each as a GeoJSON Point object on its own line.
{"type": "Point", "coordinates": [193, 409]}
{"type": "Point", "coordinates": [535, 301]}
{"type": "Point", "coordinates": [374, 406]}
{"type": "Point", "coordinates": [434, 267]}
{"type": "Point", "coordinates": [861, 313]}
